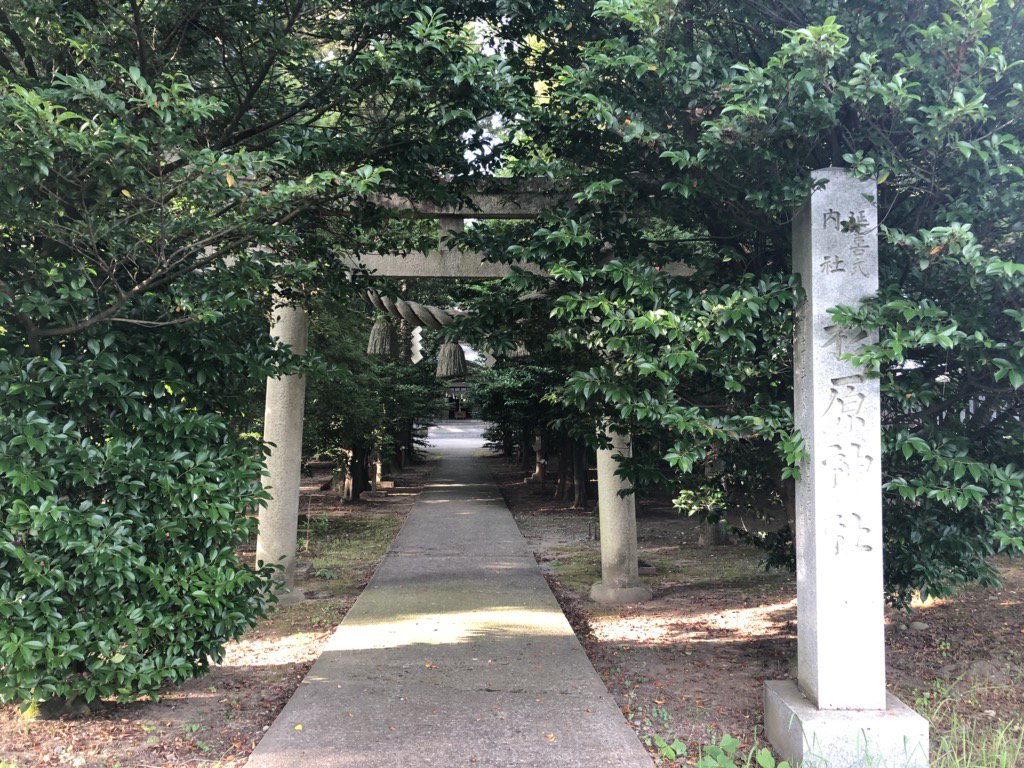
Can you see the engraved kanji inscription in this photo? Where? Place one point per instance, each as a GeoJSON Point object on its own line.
{"type": "Point", "coordinates": [832, 263]}
{"type": "Point", "coordinates": [832, 220]}
{"type": "Point", "coordinates": [860, 247]}
{"type": "Point", "coordinates": [846, 402]}
{"type": "Point", "coordinates": [856, 261]}
{"type": "Point", "coordinates": [851, 533]}
{"type": "Point", "coordinates": [844, 340]}
{"type": "Point", "coordinates": [845, 461]}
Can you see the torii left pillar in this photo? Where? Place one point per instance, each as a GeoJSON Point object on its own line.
{"type": "Point", "coordinates": [282, 429]}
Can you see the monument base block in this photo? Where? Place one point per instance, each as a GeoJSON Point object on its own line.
{"type": "Point", "coordinates": [609, 595]}
{"type": "Point", "coordinates": [896, 737]}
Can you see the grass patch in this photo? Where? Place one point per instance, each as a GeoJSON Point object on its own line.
{"type": "Point", "coordinates": [576, 567]}
{"type": "Point", "coordinates": [979, 741]}
{"type": "Point", "coordinates": [299, 617]}
{"type": "Point", "coordinates": [349, 548]}
{"type": "Point", "coordinates": [979, 744]}
{"type": "Point", "coordinates": [724, 566]}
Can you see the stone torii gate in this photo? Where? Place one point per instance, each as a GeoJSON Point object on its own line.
{"type": "Point", "coordinates": [285, 398]}
{"type": "Point", "coordinates": [838, 712]}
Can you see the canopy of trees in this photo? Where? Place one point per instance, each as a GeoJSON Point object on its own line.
{"type": "Point", "coordinates": [172, 169]}
{"type": "Point", "coordinates": [169, 169]}
{"type": "Point", "coordinates": [685, 132]}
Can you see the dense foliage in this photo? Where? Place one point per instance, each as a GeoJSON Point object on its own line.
{"type": "Point", "coordinates": [123, 507]}
{"type": "Point", "coordinates": [686, 132]}
{"type": "Point", "coordinates": [169, 167]}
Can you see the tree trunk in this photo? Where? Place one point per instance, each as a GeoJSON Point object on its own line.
{"type": "Point", "coordinates": [525, 452]}
{"type": "Point", "coordinates": [405, 442]}
{"type": "Point", "coordinates": [358, 479]}
{"type": "Point", "coordinates": [579, 475]}
{"type": "Point", "coordinates": [564, 491]}
{"type": "Point", "coordinates": [538, 460]}
{"type": "Point", "coordinates": [786, 489]}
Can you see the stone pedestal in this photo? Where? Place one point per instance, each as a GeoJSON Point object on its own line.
{"type": "Point", "coordinates": [282, 428]}
{"type": "Point", "coordinates": [841, 696]}
{"type": "Point", "coordinates": [894, 737]}
{"type": "Point", "coordinates": [620, 579]}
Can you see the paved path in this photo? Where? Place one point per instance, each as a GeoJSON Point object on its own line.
{"type": "Point", "coordinates": [455, 654]}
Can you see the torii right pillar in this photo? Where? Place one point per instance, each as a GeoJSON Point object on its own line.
{"type": "Point", "coordinates": [616, 508]}
{"type": "Point", "coordinates": [838, 713]}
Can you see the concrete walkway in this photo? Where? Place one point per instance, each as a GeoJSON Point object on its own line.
{"type": "Point", "coordinates": [455, 654]}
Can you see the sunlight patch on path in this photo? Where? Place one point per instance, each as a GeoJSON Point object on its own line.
{"type": "Point", "coordinates": [448, 628]}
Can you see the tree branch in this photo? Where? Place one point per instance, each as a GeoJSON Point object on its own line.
{"type": "Point", "coordinates": [7, 27]}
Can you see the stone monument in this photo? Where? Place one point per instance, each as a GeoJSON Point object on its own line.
{"type": "Point", "coordinates": [838, 713]}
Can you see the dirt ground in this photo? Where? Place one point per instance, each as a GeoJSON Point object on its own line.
{"type": "Point", "coordinates": [690, 664]}
{"type": "Point", "coordinates": [216, 721]}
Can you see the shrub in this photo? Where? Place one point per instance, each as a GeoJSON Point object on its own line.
{"type": "Point", "coordinates": [122, 506]}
